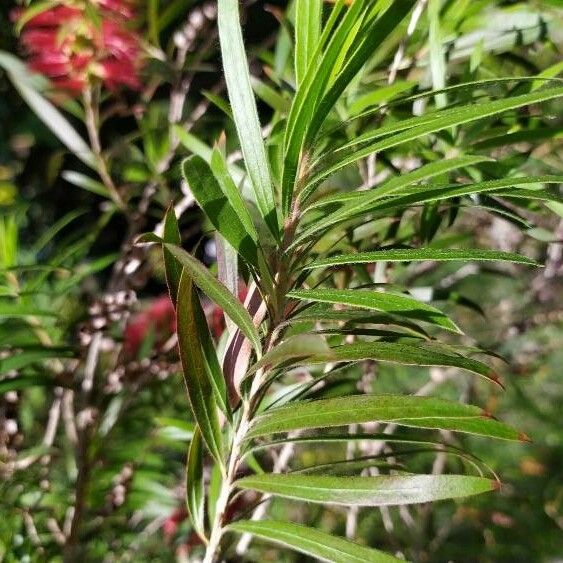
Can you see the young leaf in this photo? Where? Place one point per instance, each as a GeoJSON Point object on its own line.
{"type": "Point", "coordinates": [418, 412]}
{"type": "Point", "coordinates": [394, 303]}
{"type": "Point", "coordinates": [239, 87]}
{"type": "Point", "coordinates": [195, 496]}
{"type": "Point", "coordinates": [218, 293]}
{"type": "Point", "coordinates": [421, 254]}
{"type": "Point", "coordinates": [381, 490]}
{"type": "Point", "coordinates": [196, 377]}
{"type": "Point", "coordinates": [209, 195]}
{"type": "Point", "coordinates": [310, 91]}
{"type": "Point", "coordinates": [375, 30]}
{"type": "Point", "coordinates": [308, 14]}
{"type": "Point", "coordinates": [311, 542]}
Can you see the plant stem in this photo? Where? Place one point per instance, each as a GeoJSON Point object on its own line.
{"type": "Point", "coordinates": [227, 485]}
{"type": "Point", "coordinates": [91, 119]}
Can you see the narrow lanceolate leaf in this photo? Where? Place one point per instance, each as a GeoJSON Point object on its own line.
{"type": "Point", "coordinates": [404, 410]}
{"type": "Point", "coordinates": [55, 121]}
{"type": "Point", "coordinates": [196, 377]}
{"type": "Point", "coordinates": [195, 497]}
{"type": "Point", "coordinates": [308, 15]}
{"type": "Point", "coordinates": [311, 89]}
{"type": "Point", "coordinates": [218, 293]}
{"type": "Point", "coordinates": [381, 490]}
{"type": "Point", "coordinates": [398, 183]}
{"type": "Point", "coordinates": [207, 191]}
{"type": "Point", "coordinates": [394, 303]}
{"type": "Point", "coordinates": [239, 87]}
{"type": "Point", "coordinates": [230, 189]}
{"type": "Point", "coordinates": [311, 542]}
{"type": "Point", "coordinates": [375, 29]}
{"type": "Point", "coordinates": [32, 355]}
{"type": "Point", "coordinates": [212, 366]}
{"type": "Point", "coordinates": [293, 348]}
{"type": "Point", "coordinates": [431, 124]}
{"type": "Point", "coordinates": [421, 254]}
{"type": "Point", "coordinates": [369, 202]}
{"type": "Point", "coordinates": [172, 267]}
{"type": "Point", "coordinates": [412, 354]}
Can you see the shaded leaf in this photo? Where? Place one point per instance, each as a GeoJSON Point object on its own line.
{"type": "Point", "coordinates": [195, 497]}
{"type": "Point", "coordinates": [209, 195]}
{"type": "Point", "coordinates": [317, 544]}
{"type": "Point", "coordinates": [218, 293]}
{"type": "Point", "coordinates": [394, 303]}
{"type": "Point", "coordinates": [196, 377]}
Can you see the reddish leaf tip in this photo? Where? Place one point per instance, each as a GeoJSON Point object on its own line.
{"type": "Point", "coordinates": [496, 485]}
{"type": "Point", "coordinates": [524, 437]}
{"type": "Point", "coordinates": [497, 380]}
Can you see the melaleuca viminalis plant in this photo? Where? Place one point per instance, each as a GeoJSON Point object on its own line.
{"type": "Point", "coordinates": [313, 306]}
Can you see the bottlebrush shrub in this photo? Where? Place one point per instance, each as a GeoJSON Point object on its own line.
{"type": "Point", "coordinates": [312, 302]}
{"type": "Point", "coordinates": [73, 43]}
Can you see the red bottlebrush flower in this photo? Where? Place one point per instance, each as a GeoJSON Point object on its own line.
{"type": "Point", "coordinates": [159, 319]}
{"type": "Point", "coordinates": [67, 46]}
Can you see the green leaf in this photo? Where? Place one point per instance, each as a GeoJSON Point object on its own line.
{"type": "Point", "coordinates": [214, 371]}
{"type": "Point", "coordinates": [371, 202]}
{"type": "Point", "coordinates": [211, 198]}
{"type": "Point", "coordinates": [49, 115]}
{"type": "Point", "coordinates": [430, 124]}
{"type": "Point", "coordinates": [218, 293]}
{"type": "Point", "coordinates": [311, 542]}
{"type": "Point", "coordinates": [10, 308]}
{"type": "Point", "coordinates": [229, 188]}
{"type": "Point", "coordinates": [383, 20]}
{"type": "Point", "coordinates": [404, 410]}
{"type": "Point", "coordinates": [310, 91]}
{"type": "Point", "coordinates": [308, 15]}
{"type": "Point", "coordinates": [24, 382]}
{"type": "Point", "coordinates": [394, 303]}
{"type": "Point", "coordinates": [196, 377]}
{"type": "Point", "coordinates": [398, 183]}
{"type": "Point", "coordinates": [295, 347]}
{"type": "Point", "coordinates": [413, 354]}
{"type": "Point", "coordinates": [379, 95]}
{"type": "Point", "coordinates": [195, 496]}
{"type": "Point", "coordinates": [239, 87]}
{"type": "Point", "coordinates": [172, 268]}
{"type": "Point", "coordinates": [381, 490]}
{"type": "Point", "coordinates": [32, 355]}
{"type": "Point", "coordinates": [85, 182]}
{"type": "Point", "coordinates": [421, 254]}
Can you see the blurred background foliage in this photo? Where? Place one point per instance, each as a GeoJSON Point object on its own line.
{"type": "Point", "coordinates": [70, 274]}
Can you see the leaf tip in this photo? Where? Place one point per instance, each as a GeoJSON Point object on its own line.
{"type": "Point", "coordinates": [494, 377]}
{"type": "Point", "coordinates": [524, 438]}
{"type": "Point", "coordinates": [496, 485]}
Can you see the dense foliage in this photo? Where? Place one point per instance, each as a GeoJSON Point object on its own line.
{"type": "Point", "coordinates": [261, 295]}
